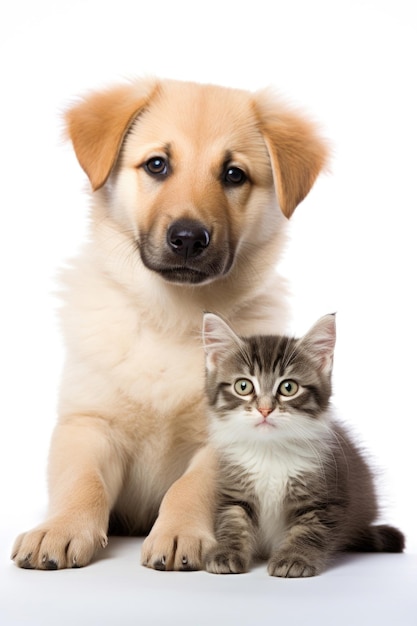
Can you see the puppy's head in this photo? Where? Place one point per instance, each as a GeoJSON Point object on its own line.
{"type": "Point", "coordinates": [195, 172]}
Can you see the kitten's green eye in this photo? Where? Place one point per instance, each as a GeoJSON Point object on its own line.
{"type": "Point", "coordinates": [288, 388]}
{"type": "Point", "coordinates": [243, 387]}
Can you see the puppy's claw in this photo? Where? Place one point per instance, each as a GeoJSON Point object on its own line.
{"type": "Point", "coordinates": [26, 562]}
{"type": "Point", "coordinates": [160, 564]}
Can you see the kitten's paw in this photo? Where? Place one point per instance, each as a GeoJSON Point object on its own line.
{"type": "Point", "coordinates": [175, 548]}
{"type": "Point", "coordinates": [224, 561]}
{"type": "Point", "coordinates": [291, 567]}
{"type": "Point", "coordinates": [58, 544]}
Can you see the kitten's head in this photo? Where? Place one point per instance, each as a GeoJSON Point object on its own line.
{"type": "Point", "coordinates": [272, 387]}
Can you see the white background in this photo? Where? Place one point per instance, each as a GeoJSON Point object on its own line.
{"type": "Point", "coordinates": [351, 64]}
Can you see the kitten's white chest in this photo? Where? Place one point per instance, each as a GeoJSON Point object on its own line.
{"type": "Point", "coordinates": [269, 469]}
{"type": "Point", "coordinates": [270, 483]}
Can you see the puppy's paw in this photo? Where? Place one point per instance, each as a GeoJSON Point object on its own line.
{"type": "Point", "coordinates": [291, 567]}
{"type": "Point", "coordinates": [57, 544]}
{"type": "Point", "coordinates": [180, 548]}
{"type": "Point", "coordinates": [220, 560]}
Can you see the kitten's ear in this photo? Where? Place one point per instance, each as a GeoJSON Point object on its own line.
{"type": "Point", "coordinates": [218, 340]}
{"type": "Point", "coordinates": [320, 342]}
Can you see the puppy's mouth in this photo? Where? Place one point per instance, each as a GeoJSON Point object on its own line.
{"type": "Point", "coordinates": [183, 275]}
{"type": "Point", "coordinates": [191, 273]}
{"type": "Point", "coordinates": [188, 255]}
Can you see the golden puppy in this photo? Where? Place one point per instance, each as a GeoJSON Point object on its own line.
{"type": "Point", "coordinates": [192, 187]}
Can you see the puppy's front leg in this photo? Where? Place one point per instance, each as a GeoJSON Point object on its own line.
{"type": "Point", "coordinates": [183, 532]}
{"type": "Point", "coordinates": [85, 476]}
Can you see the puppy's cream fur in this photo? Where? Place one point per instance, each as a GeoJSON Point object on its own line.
{"type": "Point", "coordinates": [132, 427]}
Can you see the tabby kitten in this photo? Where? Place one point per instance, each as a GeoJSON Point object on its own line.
{"type": "Point", "coordinates": [293, 487]}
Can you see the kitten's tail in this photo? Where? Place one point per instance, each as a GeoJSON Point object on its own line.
{"type": "Point", "coordinates": [381, 538]}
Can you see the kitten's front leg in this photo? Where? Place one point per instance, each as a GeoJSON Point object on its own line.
{"type": "Point", "coordinates": [308, 544]}
{"type": "Point", "coordinates": [235, 537]}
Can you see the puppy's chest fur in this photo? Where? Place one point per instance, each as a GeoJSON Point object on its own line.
{"type": "Point", "coordinates": [265, 477]}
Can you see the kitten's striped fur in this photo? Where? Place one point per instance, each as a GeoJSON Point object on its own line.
{"type": "Point", "coordinates": [293, 487]}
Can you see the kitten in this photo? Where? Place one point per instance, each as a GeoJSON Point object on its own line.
{"type": "Point", "coordinates": [293, 487]}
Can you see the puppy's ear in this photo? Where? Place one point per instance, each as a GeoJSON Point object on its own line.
{"type": "Point", "coordinates": [98, 124]}
{"type": "Point", "coordinates": [296, 150]}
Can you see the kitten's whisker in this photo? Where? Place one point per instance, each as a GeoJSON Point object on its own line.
{"type": "Point", "coordinates": [303, 436]}
{"type": "Point", "coordinates": [337, 438]}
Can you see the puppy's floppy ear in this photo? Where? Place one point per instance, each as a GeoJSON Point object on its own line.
{"type": "Point", "coordinates": [296, 150]}
{"type": "Point", "coordinates": [98, 124]}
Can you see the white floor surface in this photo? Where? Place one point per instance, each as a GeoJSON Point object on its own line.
{"type": "Point", "coordinates": [359, 590]}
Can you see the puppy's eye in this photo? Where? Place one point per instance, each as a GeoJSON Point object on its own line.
{"type": "Point", "coordinates": [243, 387]}
{"type": "Point", "coordinates": [288, 388]}
{"type": "Point", "coordinates": [234, 176]}
{"type": "Point", "coordinates": [156, 166]}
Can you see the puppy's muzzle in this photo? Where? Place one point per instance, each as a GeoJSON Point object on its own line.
{"type": "Point", "coordinates": [188, 238]}
{"type": "Point", "coordinates": [188, 252]}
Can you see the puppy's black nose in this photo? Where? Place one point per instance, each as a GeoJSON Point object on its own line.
{"type": "Point", "coordinates": [188, 238]}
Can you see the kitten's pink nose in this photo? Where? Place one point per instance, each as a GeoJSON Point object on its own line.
{"type": "Point", "coordinates": [264, 412]}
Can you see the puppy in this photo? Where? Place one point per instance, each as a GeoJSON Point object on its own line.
{"type": "Point", "coordinates": [192, 186]}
